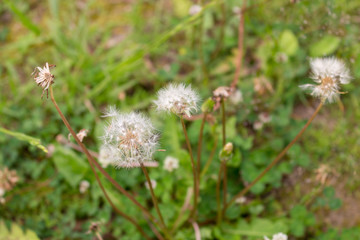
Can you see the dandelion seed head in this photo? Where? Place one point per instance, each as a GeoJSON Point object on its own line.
{"type": "Point", "coordinates": [129, 138]}
{"type": "Point", "coordinates": [178, 99]}
{"type": "Point", "coordinates": [328, 73]}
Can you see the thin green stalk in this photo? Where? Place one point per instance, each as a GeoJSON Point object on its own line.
{"type": "Point", "coordinates": [223, 162]}
{"type": "Point", "coordinates": [277, 159]}
{"type": "Point", "coordinates": [196, 192]}
{"type": "Point", "coordinates": [218, 198]}
{"type": "Point", "coordinates": [200, 144]}
{"type": "Point", "coordinates": [93, 162]}
{"type": "Point", "coordinates": [154, 199]}
{"type": "Point", "coordinates": [211, 157]}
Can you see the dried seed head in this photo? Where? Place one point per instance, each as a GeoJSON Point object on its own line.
{"type": "Point", "coordinates": [222, 92]}
{"type": "Point", "coordinates": [43, 77]}
{"type": "Point", "coordinates": [178, 99]}
{"type": "Point", "coordinates": [329, 73]}
{"type": "Point", "coordinates": [129, 138]}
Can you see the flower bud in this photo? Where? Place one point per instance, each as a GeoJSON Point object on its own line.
{"type": "Point", "coordinates": [226, 152]}
{"type": "Point", "coordinates": [208, 106]}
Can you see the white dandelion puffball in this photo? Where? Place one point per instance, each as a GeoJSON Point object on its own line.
{"type": "Point", "coordinates": [328, 73]}
{"type": "Point", "coordinates": [278, 236]}
{"type": "Point", "coordinates": [178, 99]}
{"type": "Point", "coordinates": [43, 77]}
{"type": "Point", "coordinates": [129, 138]}
{"type": "Point", "coordinates": [171, 163]}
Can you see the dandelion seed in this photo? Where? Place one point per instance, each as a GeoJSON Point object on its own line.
{"type": "Point", "coordinates": [178, 99]}
{"type": "Point", "coordinates": [129, 139]}
{"type": "Point", "coordinates": [329, 73]}
{"type": "Point", "coordinates": [171, 163]}
{"type": "Point", "coordinates": [43, 77]}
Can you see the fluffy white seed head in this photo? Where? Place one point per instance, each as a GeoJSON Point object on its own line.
{"type": "Point", "coordinates": [328, 73]}
{"type": "Point", "coordinates": [129, 138]}
{"type": "Point", "coordinates": [171, 163]}
{"type": "Point", "coordinates": [178, 99]}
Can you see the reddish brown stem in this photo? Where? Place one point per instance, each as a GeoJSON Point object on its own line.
{"type": "Point", "coordinates": [153, 197]}
{"type": "Point", "coordinates": [92, 161]}
{"type": "Point", "coordinates": [200, 144]}
{"type": "Point", "coordinates": [276, 160]}
{"type": "Point", "coordinates": [196, 192]}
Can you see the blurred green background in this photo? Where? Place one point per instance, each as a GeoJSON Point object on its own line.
{"type": "Point", "coordinates": [120, 53]}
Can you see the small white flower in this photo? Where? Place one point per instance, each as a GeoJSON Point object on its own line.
{"type": "Point", "coordinates": [240, 200]}
{"type": "Point", "coordinates": [171, 163]}
{"type": "Point", "coordinates": [43, 77]}
{"type": "Point", "coordinates": [264, 117]}
{"type": "Point", "coordinates": [2, 192]}
{"type": "Point", "coordinates": [84, 186]}
{"type": "Point", "coordinates": [129, 138]}
{"type": "Point", "coordinates": [178, 99]}
{"type": "Point", "coordinates": [236, 97]}
{"type": "Point", "coordinates": [258, 125]}
{"type": "Point", "coordinates": [153, 184]}
{"type": "Point", "coordinates": [195, 9]}
{"type": "Point", "coordinates": [278, 236]}
{"type": "Point", "coordinates": [329, 73]}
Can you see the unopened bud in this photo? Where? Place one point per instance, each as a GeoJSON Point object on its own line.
{"type": "Point", "coordinates": [226, 152]}
{"type": "Point", "coordinates": [208, 106]}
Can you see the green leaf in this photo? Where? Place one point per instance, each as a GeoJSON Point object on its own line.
{"type": "Point", "coordinates": [16, 233]}
{"type": "Point", "coordinates": [325, 46]}
{"type": "Point", "coordinates": [22, 137]}
{"type": "Point", "coordinates": [23, 18]}
{"type": "Point", "coordinates": [288, 43]}
{"type": "Point", "coordinates": [70, 165]}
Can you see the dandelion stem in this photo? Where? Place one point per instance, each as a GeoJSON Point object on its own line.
{"type": "Point", "coordinates": [196, 192]}
{"type": "Point", "coordinates": [218, 198]}
{"type": "Point", "coordinates": [276, 160]}
{"type": "Point", "coordinates": [154, 199]}
{"type": "Point", "coordinates": [223, 162]}
{"type": "Point", "coordinates": [92, 161]}
{"type": "Point", "coordinates": [200, 144]}
{"type": "Point", "coordinates": [100, 238]}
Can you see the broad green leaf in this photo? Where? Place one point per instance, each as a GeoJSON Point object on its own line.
{"type": "Point", "coordinates": [327, 45]}
{"type": "Point", "coordinates": [22, 137]}
{"type": "Point", "coordinates": [288, 43]}
{"type": "Point", "coordinates": [70, 165]}
{"type": "Point", "coordinates": [16, 233]}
